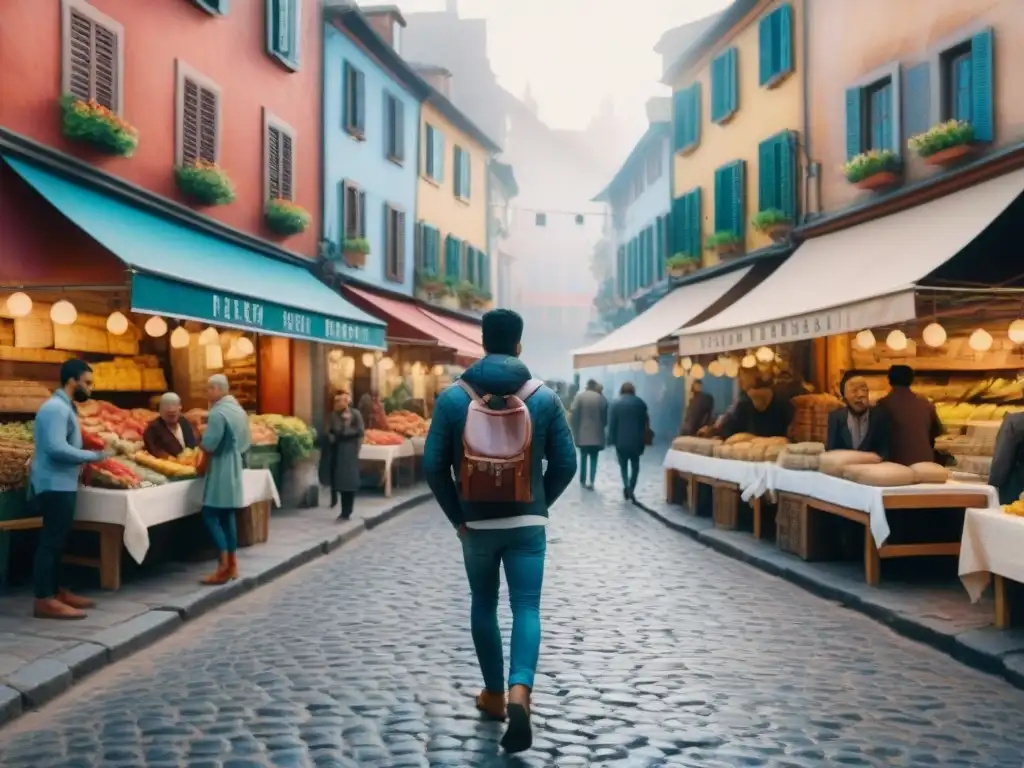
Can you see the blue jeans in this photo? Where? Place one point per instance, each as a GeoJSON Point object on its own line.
{"type": "Point", "coordinates": [521, 550]}
{"type": "Point", "coordinates": [588, 452]}
{"type": "Point", "coordinates": [221, 524]}
{"type": "Point", "coordinates": [629, 468]}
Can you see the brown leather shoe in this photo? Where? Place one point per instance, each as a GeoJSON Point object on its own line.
{"type": "Point", "coordinates": [232, 566]}
{"type": "Point", "coordinates": [491, 704]}
{"type": "Point", "coordinates": [52, 608]}
{"type": "Point", "coordinates": [519, 734]}
{"type": "Point", "coordinates": [75, 601]}
{"type": "Point", "coordinates": [219, 576]}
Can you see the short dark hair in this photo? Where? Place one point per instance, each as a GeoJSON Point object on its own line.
{"type": "Point", "coordinates": [592, 385]}
{"type": "Point", "coordinates": [627, 389]}
{"type": "Point", "coordinates": [901, 376]}
{"type": "Point", "coordinates": [502, 332]}
{"type": "Point", "coordinates": [73, 369]}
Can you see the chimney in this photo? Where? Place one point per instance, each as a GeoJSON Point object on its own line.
{"type": "Point", "coordinates": [659, 109]}
{"type": "Point", "coordinates": [388, 22]}
{"type": "Point", "coordinates": [439, 78]}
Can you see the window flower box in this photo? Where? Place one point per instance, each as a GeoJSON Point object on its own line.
{"type": "Point", "coordinates": [429, 284]}
{"type": "Point", "coordinates": [91, 123]}
{"type": "Point", "coordinates": [204, 183]}
{"type": "Point", "coordinates": [774, 223]}
{"type": "Point", "coordinates": [945, 143]}
{"type": "Point", "coordinates": [467, 294]}
{"type": "Point", "coordinates": [682, 264]}
{"type": "Point", "coordinates": [481, 300]}
{"type": "Point", "coordinates": [286, 218]}
{"type": "Point", "coordinates": [450, 297]}
{"type": "Point", "coordinates": [874, 169]}
{"type": "Point", "coordinates": [724, 244]}
{"type": "Point", "coordinates": [354, 251]}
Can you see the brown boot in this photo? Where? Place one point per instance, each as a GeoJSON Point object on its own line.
{"type": "Point", "coordinates": [219, 576]}
{"type": "Point", "coordinates": [52, 608]}
{"type": "Point", "coordinates": [491, 704]}
{"type": "Point", "coordinates": [519, 735]}
{"type": "Point", "coordinates": [232, 566]}
{"type": "Point", "coordinates": [75, 601]}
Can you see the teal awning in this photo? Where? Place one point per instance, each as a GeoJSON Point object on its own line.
{"type": "Point", "coordinates": [182, 272]}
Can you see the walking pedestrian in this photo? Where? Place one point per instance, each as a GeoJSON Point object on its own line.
{"type": "Point", "coordinates": [629, 432]}
{"type": "Point", "coordinates": [225, 441]}
{"type": "Point", "coordinates": [589, 422]}
{"type": "Point", "coordinates": [494, 428]}
{"type": "Point", "coordinates": [53, 482]}
{"type": "Point", "coordinates": [344, 432]}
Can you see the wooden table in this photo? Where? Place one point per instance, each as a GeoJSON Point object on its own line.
{"type": "Point", "coordinates": [721, 491]}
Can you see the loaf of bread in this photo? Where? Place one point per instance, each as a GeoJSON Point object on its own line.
{"type": "Point", "coordinates": [885, 474]}
{"type": "Point", "coordinates": [740, 437]}
{"type": "Point", "coordinates": [807, 449]}
{"type": "Point", "coordinates": [929, 472]}
{"type": "Point", "coordinates": [834, 462]}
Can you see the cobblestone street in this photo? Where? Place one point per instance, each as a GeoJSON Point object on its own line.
{"type": "Point", "coordinates": [657, 652]}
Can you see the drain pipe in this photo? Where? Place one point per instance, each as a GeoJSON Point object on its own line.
{"type": "Point", "coordinates": [811, 169]}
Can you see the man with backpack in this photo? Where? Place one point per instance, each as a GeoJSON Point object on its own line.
{"type": "Point", "coordinates": [493, 428]}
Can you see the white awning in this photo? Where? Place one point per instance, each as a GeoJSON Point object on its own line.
{"type": "Point", "coordinates": [861, 277]}
{"type": "Point", "coordinates": [638, 339]}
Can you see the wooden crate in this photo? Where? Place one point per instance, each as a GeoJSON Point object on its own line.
{"type": "Point", "coordinates": [253, 524]}
{"type": "Point", "coordinates": [789, 523]}
{"type": "Point", "coordinates": [726, 507]}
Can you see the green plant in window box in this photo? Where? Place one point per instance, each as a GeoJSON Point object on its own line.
{"type": "Point", "coordinates": [94, 124]}
{"type": "Point", "coordinates": [354, 251]}
{"type": "Point", "coordinates": [466, 293]}
{"type": "Point", "coordinates": [450, 296]}
{"type": "Point", "coordinates": [944, 143]}
{"type": "Point", "coordinates": [204, 183]}
{"type": "Point", "coordinates": [724, 243]}
{"type": "Point", "coordinates": [481, 299]}
{"type": "Point", "coordinates": [430, 283]}
{"type": "Point", "coordinates": [874, 169]}
{"type": "Point", "coordinates": [286, 218]}
{"type": "Point", "coordinates": [682, 264]}
{"type": "Point", "coordinates": [774, 223]}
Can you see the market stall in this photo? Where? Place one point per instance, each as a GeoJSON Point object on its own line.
{"type": "Point", "coordinates": [991, 552]}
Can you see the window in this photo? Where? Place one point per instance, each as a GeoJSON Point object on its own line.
{"type": "Point", "coordinates": [283, 31]}
{"type": "Point", "coordinates": [452, 257]}
{"type": "Point", "coordinates": [428, 243]}
{"type": "Point", "coordinates": [654, 164]}
{"type": "Point", "coordinates": [873, 113]}
{"type": "Point", "coordinates": [775, 46]}
{"type": "Point", "coordinates": [279, 152]}
{"type": "Point", "coordinates": [730, 198]}
{"type": "Point", "coordinates": [965, 70]}
{"type": "Point", "coordinates": [620, 272]}
{"type": "Point", "coordinates": [355, 101]}
{"type": "Point", "coordinates": [637, 188]}
{"type": "Point", "coordinates": [216, 7]}
{"type": "Point", "coordinates": [661, 246]}
{"type": "Point", "coordinates": [353, 211]}
{"type": "Point", "coordinates": [724, 86]}
{"type": "Point", "coordinates": [878, 115]}
{"type": "Point", "coordinates": [463, 170]}
{"type": "Point", "coordinates": [198, 117]}
{"type": "Point", "coordinates": [92, 56]}
{"type": "Point", "coordinates": [434, 155]}
{"type": "Point", "coordinates": [687, 224]}
{"type": "Point", "coordinates": [776, 174]}
{"type": "Point", "coordinates": [632, 273]}
{"type": "Point", "coordinates": [483, 270]}
{"type": "Point", "coordinates": [686, 118]}
{"type": "Point", "coordinates": [395, 122]}
{"type": "Point", "coordinates": [394, 244]}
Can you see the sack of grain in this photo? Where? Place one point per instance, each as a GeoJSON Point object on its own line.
{"type": "Point", "coordinates": [929, 472]}
{"type": "Point", "coordinates": [834, 462]}
{"type": "Point", "coordinates": [740, 437]}
{"type": "Point", "coordinates": [885, 474]}
{"type": "Point", "coordinates": [807, 449]}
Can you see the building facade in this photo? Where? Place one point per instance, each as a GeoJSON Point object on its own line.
{"type": "Point", "coordinates": [738, 102]}
{"type": "Point", "coordinates": [502, 190]}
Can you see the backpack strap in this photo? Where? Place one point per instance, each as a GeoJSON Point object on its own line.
{"type": "Point", "coordinates": [529, 389]}
{"type": "Point", "coordinates": [469, 391]}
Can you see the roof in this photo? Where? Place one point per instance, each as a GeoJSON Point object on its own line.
{"type": "Point", "coordinates": [458, 118]}
{"type": "Point", "coordinates": [654, 132]}
{"type": "Point", "coordinates": [679, 38]}
{"type": "Point", "coordinates": [708, 37]}
{"type": "Point", "coordinates": [506, 177]}
{"type": "Point", "coordinates": [394, 10]}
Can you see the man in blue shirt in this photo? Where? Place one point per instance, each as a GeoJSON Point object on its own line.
{"type": "Point", "coordinates": [56, 467]}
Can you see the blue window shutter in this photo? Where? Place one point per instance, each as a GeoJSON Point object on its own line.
{"type": "Point", "coordinates": [439, 156]}
{"type": "Point", "coordinates": [767, 175]}
{"type": "Point", "coordinates": [680, 101]}
{"type": "Point", "coordinates": [677, 219]}
{"type": "Point", "coordinates": [650, 268]}
{"type": "Point", "coordinates": [467, 172]}
{"type": "Point", "coordinates": [360, 100]}
{"type": "Point", "coordinates": [738, 198]}
{"type": "Point", "coordinates": [695, 114]}
{"type": "Point", "coordinates": [362, 214]}
{"type": "Point", "coordinates": [428, 152]}
{"type": "Point", "coordinates": [917, 99]}
{"type": "Point", "coordinates": [399, 129]}
{"type": "Point", "coordinates": [718, 88]}
{"type": "Point", "coordinates": [764, 49]}
{"type": "Point", "coordinates": [620, 272]}
{"type": "Point", "coordinates": [722, 208]}
{"type": "Point", "coordinates": [659, 250]}
{"type": "Point", "coordinates": [853, 122]}
{"type": "Point", "coordinates": [695, 242]}
{"type": "Point", "coordinates": [732, 81]}
{"type": "Point", "coordinates": [456, 171]}
{"type": "Point", "coordinates": [482, 275]}
{"type": "Point", "coordinates": [435, 250]}
{"type": "Point", "coordinates": [452, 257]}
{"type": "Point", "coordinates": [471, 273]}
{"type": "Point", "coordinates": [786, 170]}
{"type": "Point", "coordinates": [981, 86]}
{"type": "Point", "coordinates": [785, 39]}
{"type": "Point", "coordinates": [346, 84]}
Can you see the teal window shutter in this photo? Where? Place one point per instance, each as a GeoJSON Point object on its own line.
{"type": "Point", "coordinates": [362, 214]}
{"type": "Point", "coordinates": [695, 113]}
{"type": "Point", "coordinates": [457, 171]}
{"type": "Point", "coordinates": [734, 80]}
{"type": "Point", "coordinates": [677, 220]}
{"type": "Point", "coordinates": [764, 49]}
{"type": "Point", "coordinates": [452, 257]}
{"type": "Point", "coordinates": [784, 39]}
{"type": "Point", "coordinates": [775, 45]}
{"type": "Point", "coordinates": [467, 172]}
{"type": "Point", "coordinates": [219, 7]}
{"type": "Point", "coordinates": [854, 142]}
{"type": "Point", "coordinates": [786, 169]}
{"type": "Point", "coordinates": [439, 154]}
{"type": "Point", "coordinates": [620, 272]}
{"type": "Point", "coordinates": [981, 86]}
{"type": "Point", "coordinates": [483, 271]}
{"type": "Point", "coordinates": [428, 153]}
{"type": "Point", "coordinates": [470, 273]}
{"type": "Point", "coordinates": [917, 98]}
{"type": "Point", "coordinates": [282, 29]}
{"type": "Point", "coordinates": [738, 198]}
{"type": "Point", "coordinates": [767, 175]}
{"type": "Point", "coordinates": [680, 100]}
{"type": "Point", "coordinates": [659, 249]}
{"type": "Point", "coordinates": [723, 86]}
{"type": "Point", "coordinates": [652, 263]}
{"type": "Point", "coordinates": [723, 211]}
{"type": "Point", "coordinates": [435, 250]}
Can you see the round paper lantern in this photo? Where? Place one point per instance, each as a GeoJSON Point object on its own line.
{"type": "Point", "coordinates": [245, 346]}
{"type": "Point", "coordinates": [209, 336]}
{"type": "Point", "coordinates": [1016, 332]}
{"type": "Point", "coordinates": [715, 368]}
{"type": "Point", "coordinates": [865, 340]}
{"type": "Point", "coordinates": [117, 323]}
{"type": "Point", "coordinates": [438, 370]}
{"type": "Point", "coordinates": [156, 326]}
{"type": "Point", "coordinates": [732, 368]}
{"type": "Point", "coordinates": [934, 335]}
{"type": "Point", "coordinates": [650, 367]}
{"type": "Point", "coordinates": [896, 340]}
{"type": "Point", "coordinates": [387, 363]}
{"type": "Point", "coordinates": [63, 313]}
{"type": "Point", "coordinates": [677, 371]}
{"type": "Point", "coordinates": [19, 304]}
{"type": "Point", "coordinates": [764, 354]}
{"type": "Point", "coordinates": [980, 341]}
{"type": "Point", "coordinates": [335, 355]}
{"type": "Point", "coordinates": [687, 363]}
{"type": "Point", "coordinates": [180, 338]}
{"type": "Point", "coordinates": [749, 361]}
{"type": "Point", "coordinates": [368, 359]}
{"type": "Point", "coordinates": [697, 371]}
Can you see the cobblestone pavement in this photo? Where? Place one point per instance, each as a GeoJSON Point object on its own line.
{"type": "Point", "coordinates": [657, 652]}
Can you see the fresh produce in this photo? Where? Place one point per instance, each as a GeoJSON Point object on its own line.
{"type": "Point", "coordinates": [93, 442]}
{"type": "Point", "coordinates": [20, 431]}
{"type": "Point", "coordinates": [296, 439]}
{"type": "Point", "coordinates": [166, 467]}
{"type": "Point", "coordinates": [146, 475]}
{"type": "Point", "coordinates": [382, 437]}
{"type": "Point", "coordinates": [99, 416]}
{"type": "Point", "coordinates": [408, 423]}
{"type": "Point", "coordinates": [260, 432]}
{"type": "Point", "coordinates": [15, 456]}
{"type": "Point", "coordinates": [110, 473]}
{"type": "Point", "coordinates": [1016, 508]}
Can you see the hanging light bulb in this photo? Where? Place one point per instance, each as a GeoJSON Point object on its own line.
{"type": "Point", "coordinates": [980, 340]}
{"type": "Point", "coordinates": [764, 354]}
{"type": "Point", "coordinates": [934, 335]}
{"type": "Point", "coordinates": [677, 371]}
{"type": "Point", "coordinates": [156, 326]}
{"type": "Point", "coordinates": [715, 368]}
{"type": "Point", "coordinates": [214, 356]}
{"type": "Point", "coordinates": [19, 304]}
{"type": "Point", "coordinates": [368, 359]}
{"type": "Point", "coordinates": [896, 340]}
{"type": "Point", "coordinates": [687, 363]}
{"type": "Point", "coordinates": [438, 370]}
{"type": "Point", "coordinates": [748, 361]}
{"type": "Point", "coordinates": [387, 363]}
{"type": "Point", "coordinates": [732, 367]}
{"type": "Point", "coordinates": [865, 340]}
{"type": "Point", "coordinates": [63, 313]}
{"type": "Point", "coordinates": [697, 371]}
{"type": "Point", "coordinates": [209, 336]}
{"type": "Point", "coordinates": [117, 323]}
{"type": "Point", "coordinates": [1016, 331]}
{"type": "Point", "coordinates": [650, 367]}
{"type": "Point", "coordinates": [245, 346]}
{"type": "Point", "coordinates": [180, 338]}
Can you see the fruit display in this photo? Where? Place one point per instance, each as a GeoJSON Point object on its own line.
{"type": "Point", "coordinates": [296, 439]}
{"type": "Point", "coordinates": [1016, 508]}
{"type": "Point", "coordinates": [146, 475]}
{"type": "Point", "coordinates": [15, 457]}
{"type": "Point", "coordinates": [100, 417]}
{"type": "Point", "coordinates": [382, 437]}
{"type": "Point", "coordinates": [260, 432]}
{"type": "Point", "coordinates": [408, 423]}
{"type": "Point", "coordinates": [20, 431]}
{"type": "Point", "coordinates": [171, 468]}
{"type": "Point", "coordinates": [109, 473]}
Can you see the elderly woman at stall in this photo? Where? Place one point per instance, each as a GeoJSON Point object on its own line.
{"type": "Point", "coordinates": [168, 434]}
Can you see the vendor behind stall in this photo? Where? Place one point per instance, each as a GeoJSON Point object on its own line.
{"type": "Point", "coordinates": [858, 426]}
{"type": "Point", "coordinates": [759, 412]}
{"type": "Point", "coordinates": [915, 422]}
{"type": "Point", "coordinates": [169, 434]}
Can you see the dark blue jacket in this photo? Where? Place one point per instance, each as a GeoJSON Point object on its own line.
{"type": "Point", "coordinates": [442, 455]}
{"type": "Point", "coordinates": [627, 425]}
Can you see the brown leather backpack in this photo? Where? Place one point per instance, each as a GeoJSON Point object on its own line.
{"type": "Point", "coordinates": [496, 447]}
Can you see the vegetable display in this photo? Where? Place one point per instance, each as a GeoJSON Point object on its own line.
{"type": "Point", "coordinates": [18, 431]}
{"type": "Point", "coordinates": [296, 439]}
{"type": "Point", "coordinates": [110, 473]}
{"type": "Point", "coordinates": [170, 468]}
{"type": "Point", "coordinates": [382, 437]}
{"type": "Point", "coordinates": [408, 423]}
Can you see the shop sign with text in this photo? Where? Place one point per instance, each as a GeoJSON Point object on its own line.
{"type": "Point", "coordinates": [812, 326]}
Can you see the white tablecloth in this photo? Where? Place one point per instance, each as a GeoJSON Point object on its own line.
{"type": "Point", "coordinates": [418, 444]}
{"type": "Point", "coordinates": [744, 473]}
{"type": "Point", "coordinates": [139, 510]}
{"type": "Point", "coordinates": [993, 543]}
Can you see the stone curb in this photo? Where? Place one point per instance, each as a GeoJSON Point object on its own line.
{"type": "Point", "coordinates": [42, 680]}
{"type": "Point", "coordinates": [989, 650]}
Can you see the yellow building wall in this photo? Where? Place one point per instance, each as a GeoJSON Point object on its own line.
{"type": "Point", "coordinates": [436, 204]}
{"type": "Point", "coordinates": [761, 113]}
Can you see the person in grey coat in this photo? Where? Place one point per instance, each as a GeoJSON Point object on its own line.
{"type": "Point", "coordinates": [589, 421]}
{"type": "Point", "coordinates": [344, 435]}
{"type": "Point", "coordinates": [628, 429]}
{"type": "Point", "coordinates": [1007, 472]}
